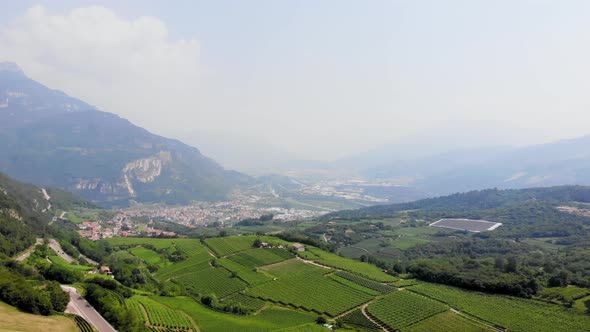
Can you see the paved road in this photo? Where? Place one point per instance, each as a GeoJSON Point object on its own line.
{"type": "Point", "coordinates": [79, 306]}
{"type": "Point", "coordinates": [57, 248]}
{"type": "Point", "coordinates": [21, 257]}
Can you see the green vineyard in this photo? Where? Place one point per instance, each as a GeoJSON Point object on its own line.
{"type": "Point", "coordinates": [159, 317]}
{"type": "Point", "coordinates": [401, 309]}
{"type": "Point", "coordinates": [308, 288]}
{"type": "Point", "coordinates": [244, 301]}
{"type": "Point", "coordinates": [507, 311]}
{"type": "Point", "coordinates": [224, 246]}
{"type": "Point", "coordinates": [364, 269]}
{"type": "Point", "coordinates": [260, 257]}
{"type": "Point", "coordinates": [379, 287]}
{"type": "Point", "coordinates": [249, 275]}
{"type": "Point", "coordinates": [358, 321]}
{"type": "Point", "coordinates": [448, 321]}
{"type": "Point", "coordinates": [218, 281]}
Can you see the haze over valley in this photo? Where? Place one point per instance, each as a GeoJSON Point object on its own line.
{"type": "Point", "coordinates": [253, 166]}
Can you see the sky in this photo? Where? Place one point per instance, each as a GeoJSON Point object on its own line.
{"type": "Point", "coordinates": [316, 80]}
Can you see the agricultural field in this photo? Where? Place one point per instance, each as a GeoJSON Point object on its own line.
{"type": "Point", "coordinates": [244, 301]}
{"type": "Point", "coordinates": [58, 260]}
{"type": "Point", "coordinates": [364, 269]}
{"type": "Point", "coordinates": [251, 276]}
{"type": "Point", "coordinates": [190, 265]}
{"type": "Point", "coordinates": [223, 246]}
{"type": "Point", "coordinates": [353, 285]}
{"type": "Point", "coordinates": [569, 293]}
{"type": "Point", "coordinates": [269, 319]}
{"type": "Point", "coordinates": [138, 241]}
{"type": "Point", "coordinates": [259, 257]}
{"type": "Point", "coordinates": [157, 315]}
{"type": "Point", "coordinates": [218, 281]}
{"type": "Point", "coordinates": [516, 314]}
{"type": "Point", "coordinates": [149, 256]}
{"type": "Point", "coordinates": [377, 286]}
{"type": "Point", "coordinates": [448, 321]}
{"type": "Point", "coordinates": [356, 320]}
{"type": "Point", "coordinates": [401, 309]}
{"type": "Point", "coordinates": [308, 288]}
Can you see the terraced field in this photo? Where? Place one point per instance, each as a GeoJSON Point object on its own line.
{"type": "Point", "coordinates": [401, 309]}
{"type": "Point", "coordinates": [517, 314]}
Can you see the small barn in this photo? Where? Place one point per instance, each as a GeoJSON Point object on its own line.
{"type": "Point", "coordinates": [298, 247]}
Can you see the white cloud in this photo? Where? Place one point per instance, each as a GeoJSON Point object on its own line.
{"type": "Point", "coordinates": [128, 67]}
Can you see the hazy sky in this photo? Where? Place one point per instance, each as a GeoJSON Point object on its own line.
{"type": "Point", "coordinates": [316, 79]}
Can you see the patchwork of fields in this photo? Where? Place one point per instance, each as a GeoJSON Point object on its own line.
{"type": "Point", "coordinates": [283, 292]}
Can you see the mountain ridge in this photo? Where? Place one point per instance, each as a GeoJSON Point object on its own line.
{"type": "Point", "coordinates": [56, 140]}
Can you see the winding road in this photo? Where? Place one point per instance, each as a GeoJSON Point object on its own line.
{"type": "Point", "coordinates": [79, 306]}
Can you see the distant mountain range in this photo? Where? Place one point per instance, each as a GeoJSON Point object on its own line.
{"type": "Point", "coordinates": [51, 139]}
{"type": "Point", "coordinates": [560, 163]}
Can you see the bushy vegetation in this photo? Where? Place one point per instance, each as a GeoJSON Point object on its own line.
{"type": "Point", "coordinates": [42, 298]}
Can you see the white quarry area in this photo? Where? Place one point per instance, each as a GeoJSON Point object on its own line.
{"type": "Point", "coordinates": [147, 169]}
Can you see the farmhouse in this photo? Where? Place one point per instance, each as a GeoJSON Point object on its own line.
{"type": "Point", "coordinates": [298, 247]}
{"type": "Point", "coordinates": [105, 269]}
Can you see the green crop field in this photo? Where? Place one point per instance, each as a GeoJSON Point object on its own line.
{"type": "Point", "coordinates": [516, 314]}
{"type": "Point", "coordinates": [270, 319]}
{"type": "Point", "coordinates": [137, 241]}
{"type": "Point", "coordinates": [191, 265]}
{"type": "Point", "coordinates": [55, 259]}
{"type": "Point", "coordinates": [364, 269]}
{"type": "Point", "coordinates": [566, 293]}
{"type": "Point", "coordinates": [147, 255]}
{"type": "Point", "coordinates": [249, 275]}
{"type": "Point", "coordinates": [292, 267]}
{"type": "Point", "coordinates": [352, 284]}
{"type": "Point", "coordinates": [244, 301]}
{"type": "Point", "coordinates": [401, 309]}
{"type": "Point", "coordinates": [158, 315]}
{"type": "Point", "coordinates": [358, 321]}
{"type": "Point", "coordinates": [379, 287]}
{"type": "Point", "coordinates": [308, 287]}
{"type": "Point", "coordinates": [211, 280]}
{"type": "Point", "coordinates": [448, 321]}
{"type": "Point", "coordinates": [223, 246]}
{"type": "Point", "coordinates": [259, 257]}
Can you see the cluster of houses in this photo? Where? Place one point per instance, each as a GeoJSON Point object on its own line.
{"type": "Point", "coordinates": [93, 231]}
{"type": "Point", "coordinates": [120, 225]}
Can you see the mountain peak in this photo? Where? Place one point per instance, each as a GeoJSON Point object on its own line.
{"type": "Point", "coordinates": [10, 67]}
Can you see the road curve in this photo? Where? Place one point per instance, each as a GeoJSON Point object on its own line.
{"type": "Point", "coordinates": [22, 256]}
{"type": "Point", "coordinates": [79, 306]}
